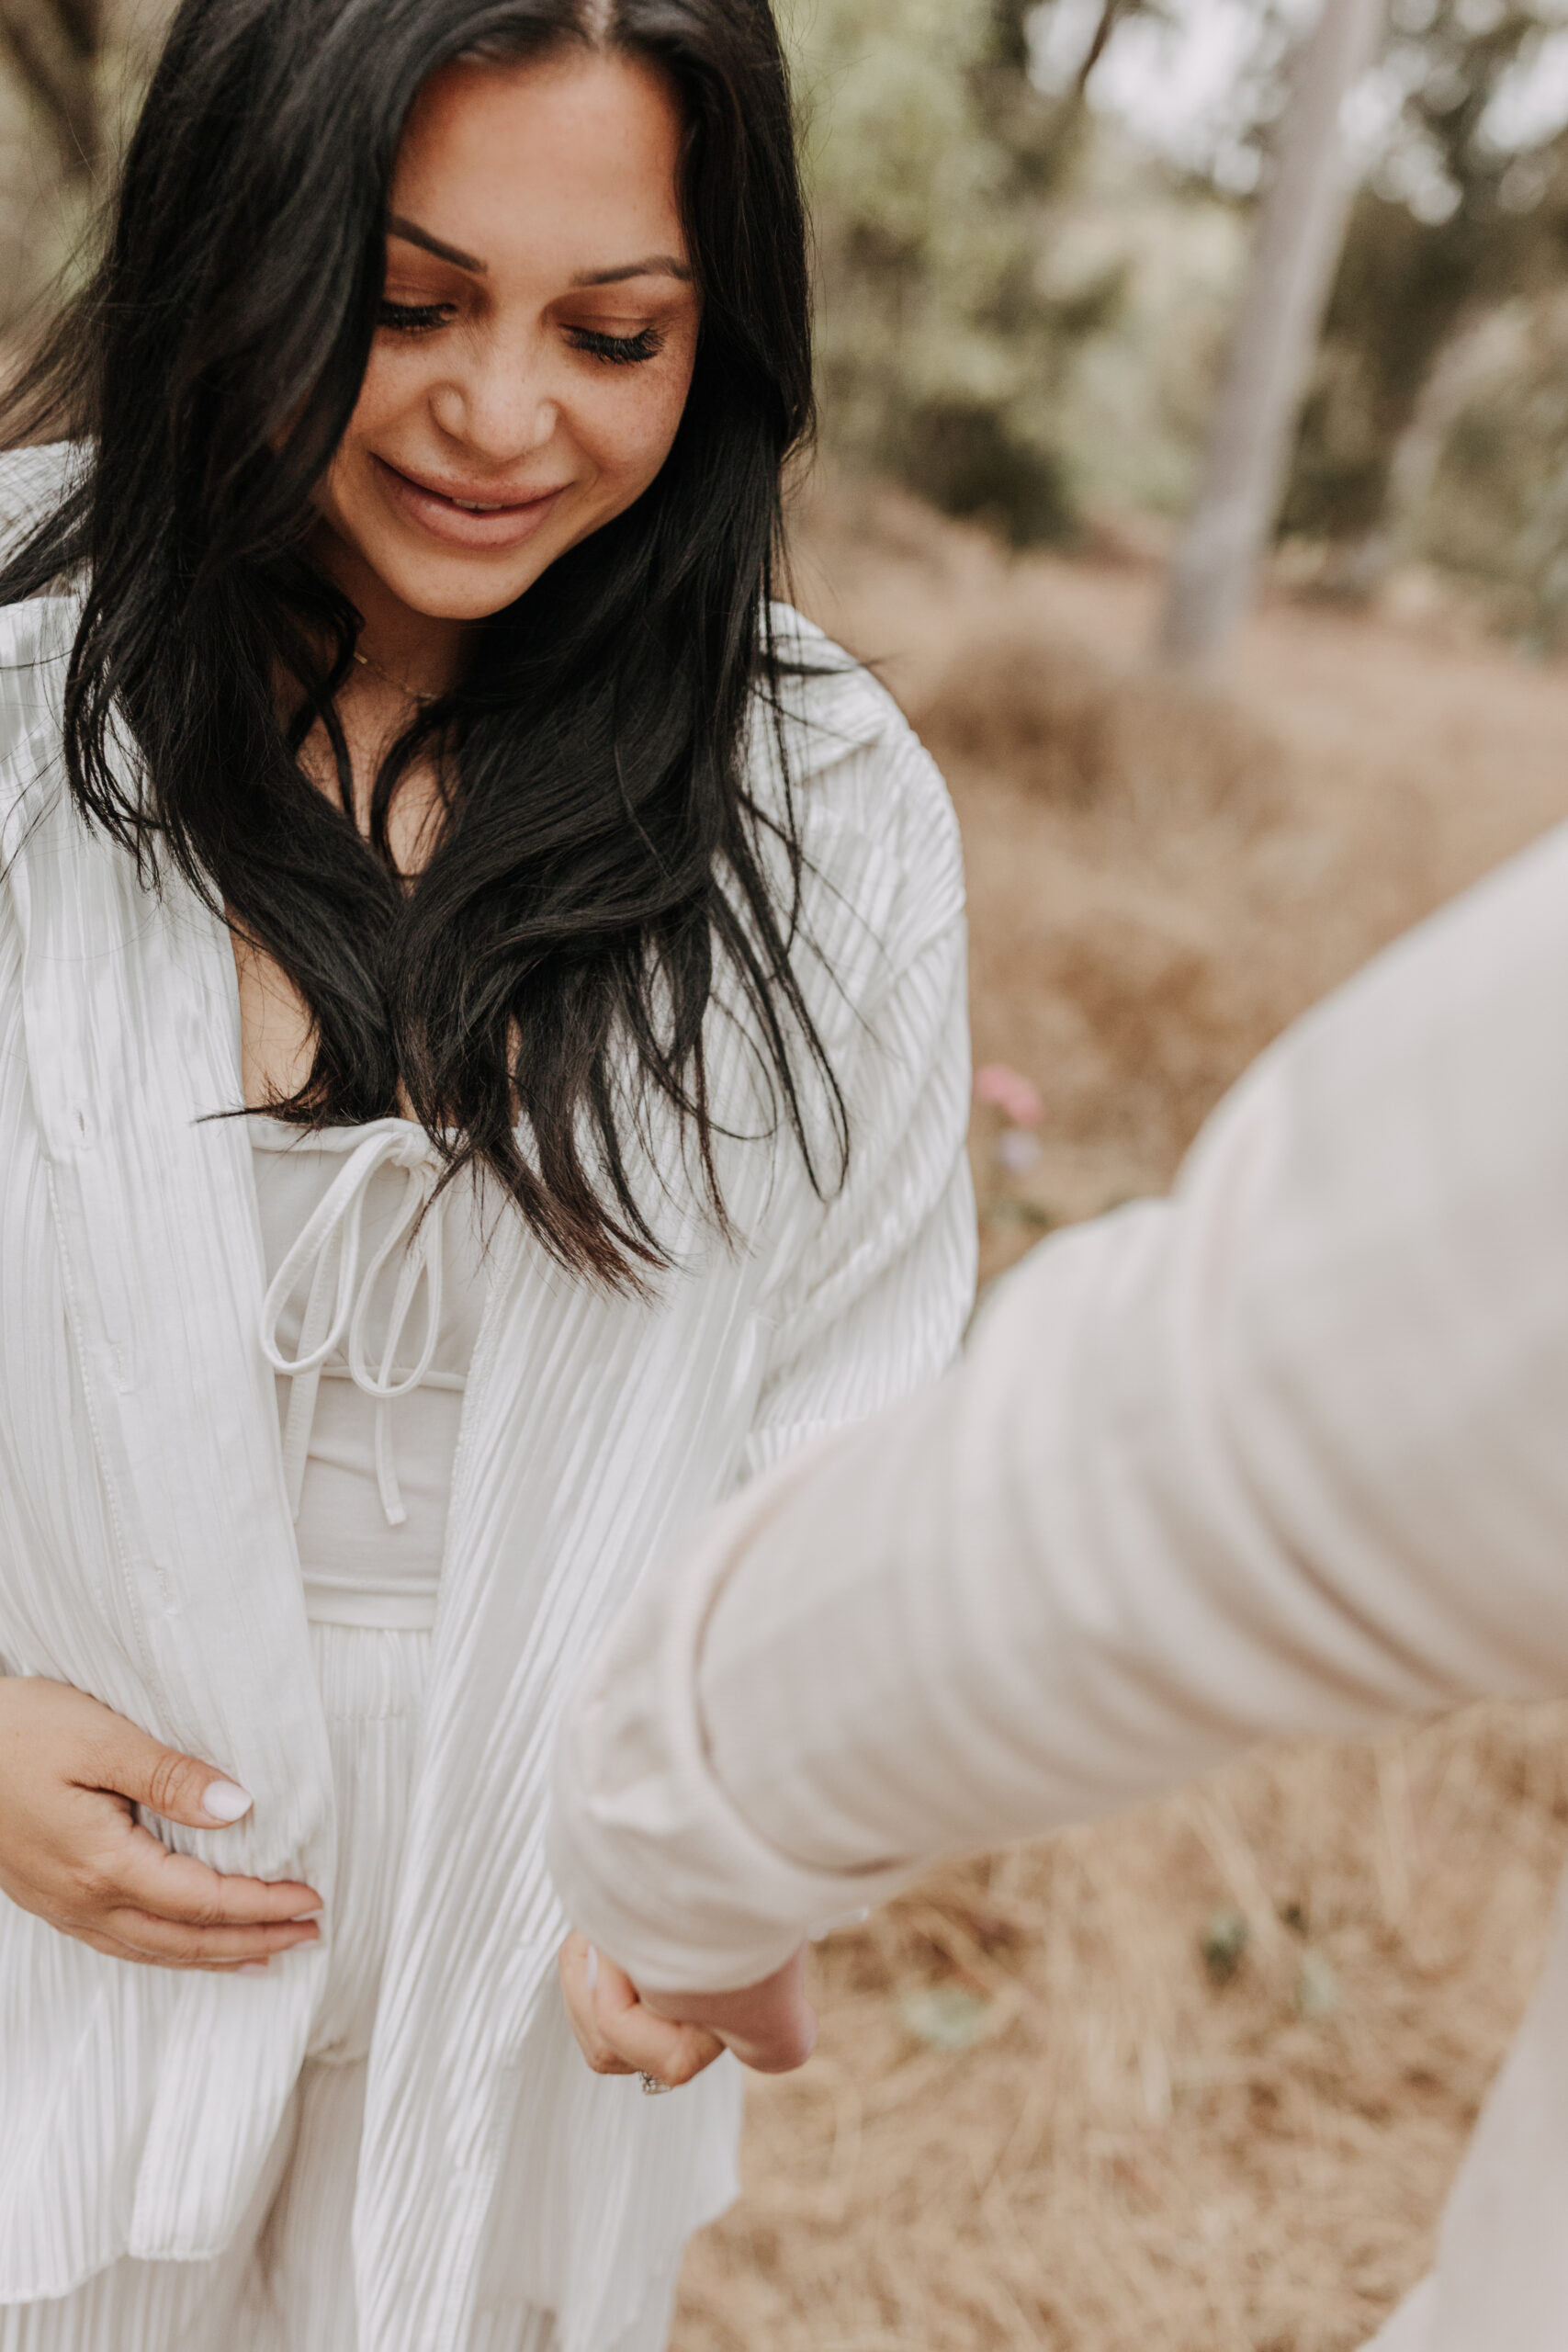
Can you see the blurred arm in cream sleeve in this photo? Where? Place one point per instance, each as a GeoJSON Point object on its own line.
{"type": "Point", "coordinates": [1285, 1454]}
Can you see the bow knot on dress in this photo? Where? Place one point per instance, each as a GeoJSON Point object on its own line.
{"type": "Point", "coordinates": [340, 1300]}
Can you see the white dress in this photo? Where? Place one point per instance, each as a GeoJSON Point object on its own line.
{"type": "Point", "coordinates": [376, 1288]}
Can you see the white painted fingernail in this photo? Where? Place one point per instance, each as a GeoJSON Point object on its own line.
{"type": "Point", "coordinates": [251, 1968]}
{"type": "Point", "coordinates": [593, 1970]}
{"type": "Point", "coordinates": [225, 1801]}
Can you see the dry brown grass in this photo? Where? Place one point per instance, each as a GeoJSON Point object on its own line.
{"type": "Point", "coordinates": [1126, 745]}
{"type": "Point", "coordinates": [1131, 2153]}
{"type": "Point", "coordinates": [1128, 2153]}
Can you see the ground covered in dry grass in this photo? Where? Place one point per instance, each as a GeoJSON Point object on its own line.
{"type": "Point", "coordinates": [1194, 2080]}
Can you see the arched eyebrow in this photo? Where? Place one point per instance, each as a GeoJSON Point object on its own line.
{"type": "Point", "coordinates": [412, 234]}
{"type": "Point", "coordinates": [651, 265]}
{"type": "Point", "coordinates": [654, 265]}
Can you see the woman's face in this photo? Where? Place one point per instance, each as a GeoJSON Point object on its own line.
{"type": "Point", "coordinates": [537, 337]}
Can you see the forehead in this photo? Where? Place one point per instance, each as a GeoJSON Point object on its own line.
{"type": "Point", "coordinates": [571, 161]}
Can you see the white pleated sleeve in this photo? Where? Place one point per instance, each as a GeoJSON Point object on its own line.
{"type": "Point", "coordinates": [874, 1292]}
{"type": "Point", "coordinates": [1286, 1453]}
{"type": "Point", "coordinates": [875, 1308]}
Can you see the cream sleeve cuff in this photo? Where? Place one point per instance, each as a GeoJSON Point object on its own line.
{"type": "Point", "coordinates": [650, 1856]}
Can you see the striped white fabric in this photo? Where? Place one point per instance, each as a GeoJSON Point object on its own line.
{"type": "Point", "coordinates": [285, 2281]}
{"type": "Point", "coordinates": [147, 1554]}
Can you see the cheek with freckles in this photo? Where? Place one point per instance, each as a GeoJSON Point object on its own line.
{"type": "Point", "coordinates": [625, 430]}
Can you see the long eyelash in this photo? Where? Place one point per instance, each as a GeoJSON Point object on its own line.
{"type": "Point", "coordinates": [620, 350]}
{"type": "Point", "coordinates": [412, 318]}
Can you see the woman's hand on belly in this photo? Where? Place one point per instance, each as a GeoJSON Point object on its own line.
{"type": "Point", "coordinates": [72, 1852]}
{"type": "Point", "coordinates": [615, 2033]}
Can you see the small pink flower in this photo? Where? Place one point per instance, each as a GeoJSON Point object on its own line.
{"type": "Point", "coordinates": [1008, 1092]}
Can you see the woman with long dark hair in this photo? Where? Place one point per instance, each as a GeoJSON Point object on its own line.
{"type": "Point", "coordinates": [482, 1071]}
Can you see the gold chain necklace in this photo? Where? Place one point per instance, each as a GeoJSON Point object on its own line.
{"type": "Point", "coordinates": [413, 692]}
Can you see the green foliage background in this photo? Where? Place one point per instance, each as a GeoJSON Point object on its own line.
{"type": "Point", "coordinates": [934, 168]}
{"type": "Point", "coordinates": [1022, 317]}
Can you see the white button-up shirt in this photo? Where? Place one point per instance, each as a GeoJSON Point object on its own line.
{"type": "Point", "coordinates": [147, 1552]}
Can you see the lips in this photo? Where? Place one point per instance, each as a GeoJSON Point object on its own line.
{"type": "Point", "coordinates": [468, 515]}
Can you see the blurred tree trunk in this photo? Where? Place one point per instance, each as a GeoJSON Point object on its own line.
{"type": "Point", "coordinates": [55, 46]}
{"type": "Point", "coordinates": [1300, 234]}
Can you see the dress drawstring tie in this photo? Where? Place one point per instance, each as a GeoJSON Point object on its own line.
{"type": "Point", "coordinates": [337, 1308]}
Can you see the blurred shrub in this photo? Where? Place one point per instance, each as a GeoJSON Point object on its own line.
{"type": "Point", "coordinates": [1498, 510]}
{"type": "Point", "coordinates": [1143, 744]}
{"type": "Point", "coordinates": [934, 164]}
{"type": "Point", "coordinates": [969, 459]}
{"type": "Point", "coordinates": [1133, 409]}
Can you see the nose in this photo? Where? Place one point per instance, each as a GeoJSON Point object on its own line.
{"type": "Point", "coordinates": [498, 403]}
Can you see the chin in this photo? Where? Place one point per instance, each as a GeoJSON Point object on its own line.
{"type": "Point", "coordinates": [480, 603]}
{"type": "Point", "coordinates": [458, 591]}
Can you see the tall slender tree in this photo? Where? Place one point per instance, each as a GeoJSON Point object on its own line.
{"type": "Point", "coordinates": [1300, 231]}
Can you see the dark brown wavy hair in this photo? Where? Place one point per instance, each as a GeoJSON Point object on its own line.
{"type": "Point", "coordinates": [603, 865]}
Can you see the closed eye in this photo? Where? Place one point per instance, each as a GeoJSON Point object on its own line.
{"type": "Point", "coordinates": [413, 318]}
{"type": "Point", "coordinates": [619, 350]}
